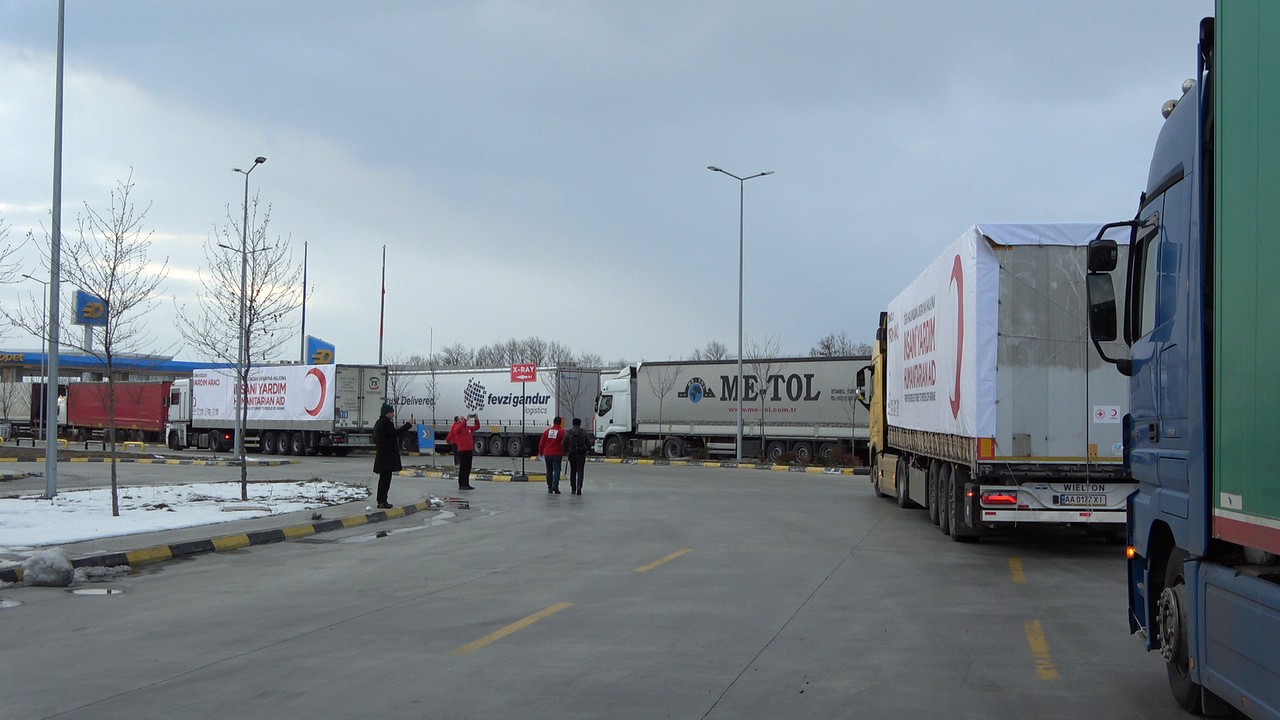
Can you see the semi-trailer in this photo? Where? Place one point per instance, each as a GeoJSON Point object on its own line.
{"type": "Point", "coordinates": [291, 409]}
{"type": "Point", "coordinates": [1195, 333]}
{"type": "Point", "coordinates": [988, 407]}
{"type": "Point", "coordinates": [799, 407]}
{"type": "Point", "coordinates": [512, 412]}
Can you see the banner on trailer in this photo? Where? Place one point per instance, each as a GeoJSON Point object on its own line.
{"type": "Point", "coordinates": [278, 393]}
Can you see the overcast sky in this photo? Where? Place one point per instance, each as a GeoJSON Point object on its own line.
{"type": "Point", "coordinates": [539, 168]}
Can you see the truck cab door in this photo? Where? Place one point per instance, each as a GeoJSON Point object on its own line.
{"type": "Point", "coordinates": [1164, 384]}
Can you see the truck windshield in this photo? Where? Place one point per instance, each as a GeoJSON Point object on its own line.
{"type": "Point", "coordinates": [604, 404]}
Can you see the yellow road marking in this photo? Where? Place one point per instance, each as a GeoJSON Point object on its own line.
{"type": "Point", "coordinates": [1015, 570]}
{"type": "Point", "coordinates": [1045, 667]}
{"type": "Point", "coordinates": [513, 627]}
{"type": "Point", "coordinates": [660, 561]}
{"type": "Point", "coordinates": [149, 555]}
{"type": "Point", "coordinates": [230, 542]}
{"type": "Point", "coordinates": [298, 531]}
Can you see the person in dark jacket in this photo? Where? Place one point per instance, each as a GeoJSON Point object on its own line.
{"type": "Point", "coordinates": [386, 437]}
{"type": "Point", "coordinates": [576, 443]}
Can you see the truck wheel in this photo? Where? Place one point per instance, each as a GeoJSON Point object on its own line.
{"type": "Point", "coordinates": [946, 494]}
{"type": "Point", "coordinates": [613, 446]}
{"type": "Point", "coordinates": [482, 445]}
{"type": "Point", "coordinates": [297, 443]}
{"type": "Point", "coordinates": [803, 452]}
{"type": "Point", "coordinates": [268, 442]}
{"type": "Point", "coordinates": [515, 446]}
{"type": "Point", "coordinates": [1171, 627]}
{"type": "Point", "coordinates": [497, 446]}
{"type": "Point", "coordinates": [774, 451]}
{"type": "Point", "coordinates": [672, 448]}
{"type": "Point", "coordinates": [827, 453]}
{"type": "Point", "coordinates": [934, 495]}
{"type": "Point", "coordinates": [173, 440]}
{"type": "Point", "coordinates": [904, 487]}
{"type": "Point", "coordinates": [875, 475]}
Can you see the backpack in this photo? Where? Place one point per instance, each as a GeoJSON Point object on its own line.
{"type": "Point", "coordinates": [578, 442]}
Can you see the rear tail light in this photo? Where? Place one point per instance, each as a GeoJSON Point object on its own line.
{"type": "Point", "coordinates": [999, 497]}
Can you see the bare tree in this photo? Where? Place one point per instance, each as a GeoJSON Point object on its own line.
{"type": "Point", "coordinates": [761, 358]}
{"type": "Point", "coordinates": [272, 291]}
{"type": "Point", "coordinates": [714, 350]}
{"type": "Point", "coordinates": [456, 355]}
{"type": "Point", "coordinates": [9, 267]}
{"type": "Point", "coordinates": [840, 345]}
{"type": "Point", "coordinates": [110, 259]}
{"type": "Point", "coordinates": [590, 360]}
{"type": "Point", "coordinates": [663, 381]}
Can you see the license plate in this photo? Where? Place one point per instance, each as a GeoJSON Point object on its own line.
{"type": "Point", "coordinates": [1082, 500]}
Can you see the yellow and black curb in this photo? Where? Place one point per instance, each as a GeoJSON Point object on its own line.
{"type": "Point", "coordinates": [163, 461]}
{"type": "Point", "coordinates": [162, 553]}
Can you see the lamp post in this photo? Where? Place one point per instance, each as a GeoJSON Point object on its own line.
{"type": "Point", "coordinates": [741, 387]}
{"type": "Point", "coordinates": [241, 360]}
{"type": "Point", "coordinates": [44, 330]}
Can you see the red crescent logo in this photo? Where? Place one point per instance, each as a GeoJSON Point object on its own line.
{"type": "Point", "coordinates": [323, 391]}
{"type": "Point", "coordinates": [957, 277]}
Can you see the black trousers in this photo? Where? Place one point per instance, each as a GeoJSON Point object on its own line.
{"type": "Point", "coordinates": [577, 469]}
{"type": "Point", "coordinates": [464, 467]}
{"type": "Point", "coordinates": [384, 485]}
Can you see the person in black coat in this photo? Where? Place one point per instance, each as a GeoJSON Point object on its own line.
{"type": "Point", "coordinates": [386, 437]}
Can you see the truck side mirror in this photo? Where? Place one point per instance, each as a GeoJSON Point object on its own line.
{"type": "Point", "coordinates": [1102, 304]}
{"type": "Point", "coordinates": [1103, 256]}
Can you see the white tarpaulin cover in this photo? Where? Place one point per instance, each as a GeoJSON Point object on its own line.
{"type": "Point", "coordinates": [944, 329]}
{"type": "Point", "coordinates": [278, 393]}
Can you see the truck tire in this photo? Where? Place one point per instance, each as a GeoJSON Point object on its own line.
{"type": "Point", "coordinates": [904, 487]}
{"type": "Point", "coordinates": [613, 446]}
{"type": "Point", "coordinates": [946, 494]}
{"type": "Point", "coordinates": [173, 440]}
{"type": "Point", "coordinates": [875, 475]}
{"type": "Point", "coordinates": [803, 452]}
{"type": "Point", "coordinates": [673, 448]}
{"type": "Point", "coordinates": [515, 446]}
{"type": "Point", "coordinates": [1171, 628]}
{"type": "Point", "coordinates": [934, 497]}
{"type": "Point", "coordinates": [497, 446]}
{"type": "Point", "coordinates": [482, 445]}
{"type": "Point", "coordinates": [774, 451]}
{"type": "Point", "coordinates": [268, 442]}
{"type": "Point", "coordinates": [297, 443]}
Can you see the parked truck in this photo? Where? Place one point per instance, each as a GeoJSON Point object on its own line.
{"type": "Point", "coordinates": [512, 414]}
{"type": "Point", "coordinates": [16, 401]}
{"type": "Point", "coordinates": [292, 409]}
{"type": "Point", "coordinates": [804, 408]}
{"type": "Point", "coordinates": [988, 406]}
{"type": "Point", "coordinates": [141, 410]}
{"type": "Point", "coordinates": [1195, 332]}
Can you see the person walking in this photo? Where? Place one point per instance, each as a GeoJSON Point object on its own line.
{"type": "Point", "coordinates": [386, 437]}
{"type": "Point", "coordinates": [462, 437]}
{"type": "Point", "coordinates": [551, 449]}
{"type": "Point", "coordinates": [576, 443]}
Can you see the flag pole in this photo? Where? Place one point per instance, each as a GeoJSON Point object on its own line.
{"type": "Point", "coordinates": [382, 304]}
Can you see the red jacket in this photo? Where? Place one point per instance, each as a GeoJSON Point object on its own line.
{"type": "Point", "coordinates": [552, 442]}
{"type": "Point", "coordinates": [462, 436]}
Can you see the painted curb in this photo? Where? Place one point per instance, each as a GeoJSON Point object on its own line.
{"type": "Point", "coordinates": [161, 553]}
{"type": "Point", "coordinates": [165, 461]}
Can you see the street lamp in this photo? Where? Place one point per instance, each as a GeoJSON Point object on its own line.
{"type": "Point", "coordinates": [44, 330]}
{"type": "Point", "coordinates": [741, 388]}
{"type": "Point", "coordinates": [241, 360]}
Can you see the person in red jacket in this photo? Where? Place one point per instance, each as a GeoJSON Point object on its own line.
{"type": "Point", "coordinates": [462, 437]}
{"type": "Point", "coordinates": [551, 449]}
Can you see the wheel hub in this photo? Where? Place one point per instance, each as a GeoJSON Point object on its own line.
{"type": "Point", "coordinates": [1169, 623]}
